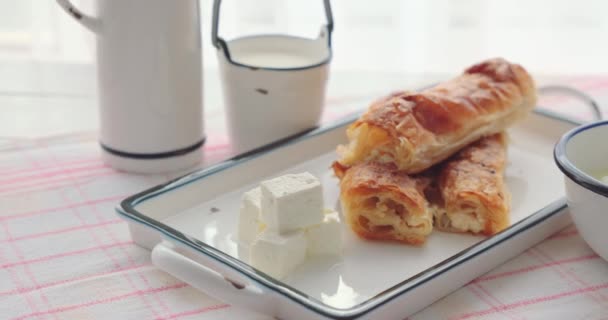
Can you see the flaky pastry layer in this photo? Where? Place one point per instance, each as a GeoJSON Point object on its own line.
{"type": "Point", "coordinates": [415, 131]}
{"type": "Point", "coordinates": [473, 196]}
{"type": "Point", "coordinates": [382, 204]}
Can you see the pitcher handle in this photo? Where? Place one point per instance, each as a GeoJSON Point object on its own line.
{"type": "Point", "coordinates": [218, 42]}
{"type": "Point", "coordinates": [87, 21]}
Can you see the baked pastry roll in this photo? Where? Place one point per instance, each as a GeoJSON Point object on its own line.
{"type": "Point", "coordinates": [382, 204]}
{"type": "Point", "coordinates": [471, 195]}
{"type": "Point", "coordinates": [415, 131]}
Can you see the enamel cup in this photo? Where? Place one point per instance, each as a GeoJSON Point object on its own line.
{"type": "Point", "coordinates": [580, 154]}
{"type": "Point", "coordinates": [149, 82]}
{"type": "Point", "coordinates": [273, 85]}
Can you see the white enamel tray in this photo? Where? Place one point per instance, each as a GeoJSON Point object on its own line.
{"type": "Point", "coordinates": [190, 226]}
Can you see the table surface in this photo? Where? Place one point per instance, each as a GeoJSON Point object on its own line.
{"type": "Point", "coordinates": [64, 254]}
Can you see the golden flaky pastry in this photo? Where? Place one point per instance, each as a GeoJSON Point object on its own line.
{"type": "Point", "coordinates": [415, 131]}
{"type": "Point", "coordinates": [472, 195]}
{"type": "Point", "coordinates": [383, 204]}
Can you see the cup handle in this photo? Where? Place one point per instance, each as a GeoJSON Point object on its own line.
{"type": "Point", "coordinates": [329, 25]}
{"type": "Point", "coordinates": [573, 92]}
{"type": "Point", "coordinates": [200, 274]}
{"type": "Point", "coordinates": [218, 42]}
{"type": "Point", "coordinates": [87, 21]}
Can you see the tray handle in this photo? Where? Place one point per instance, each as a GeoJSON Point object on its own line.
{"type": "Point", "coordinates": [575, 93]}
{"type": "Point", "coordinates": [200, 275]}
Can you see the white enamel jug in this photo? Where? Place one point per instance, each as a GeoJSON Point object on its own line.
{"type": "Point", "coordinates": [149, 66]}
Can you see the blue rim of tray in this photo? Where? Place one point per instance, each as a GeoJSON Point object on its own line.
{"type": "Point", "coordinates": [127, 209]}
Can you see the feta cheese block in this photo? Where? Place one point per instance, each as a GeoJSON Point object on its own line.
{"type": "Point", "coordinates": [292, 202]}
{"type": "Point", "coordinates": [278, 254]}
{"type": "Point", "coordinates": [326, 237]}
{"type": "Point", "coordinates": [249, 218]}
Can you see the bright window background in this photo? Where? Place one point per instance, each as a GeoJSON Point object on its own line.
{"type": "Point", "coordinates": [438, 36]}
{"type": "Point", "coordinates": [47, 70]}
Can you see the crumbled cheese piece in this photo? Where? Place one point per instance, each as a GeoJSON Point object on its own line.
{"type": "Point", "coordinates": [249, 223]}
{"type": "Point", "coordinates": [291, 202]}
{"type": "Point", "coordinates": [326, 237]}
{"type": "Point", "coordinates": [278, 254]}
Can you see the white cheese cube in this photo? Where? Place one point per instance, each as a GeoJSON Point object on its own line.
{"type": "Point", "coordinates": [325, 238]}
{"type": "Point", "coordinates": [249, 216]}
{"type": "Point", "coordinates": [278, 254]}
{"type": "Point", "coordinates": [292, 202]}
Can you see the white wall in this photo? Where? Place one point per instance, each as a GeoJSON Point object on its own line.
{"type": "Point", "coordinates": [414, 36]}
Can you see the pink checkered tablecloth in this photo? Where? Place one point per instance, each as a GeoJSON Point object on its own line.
{"type": "Point", "coordinates": [64, 254]}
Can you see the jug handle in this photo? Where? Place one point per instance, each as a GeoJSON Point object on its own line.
{"type": "Point", "coordinates": [219, 43]}
{"type": "Point", "coordinates": [87, 21]}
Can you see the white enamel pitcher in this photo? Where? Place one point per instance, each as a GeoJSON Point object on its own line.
{"type": "Point", "coordinates": [149, 66]}
{"type": "Point", "coordinates": [273, 85]}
